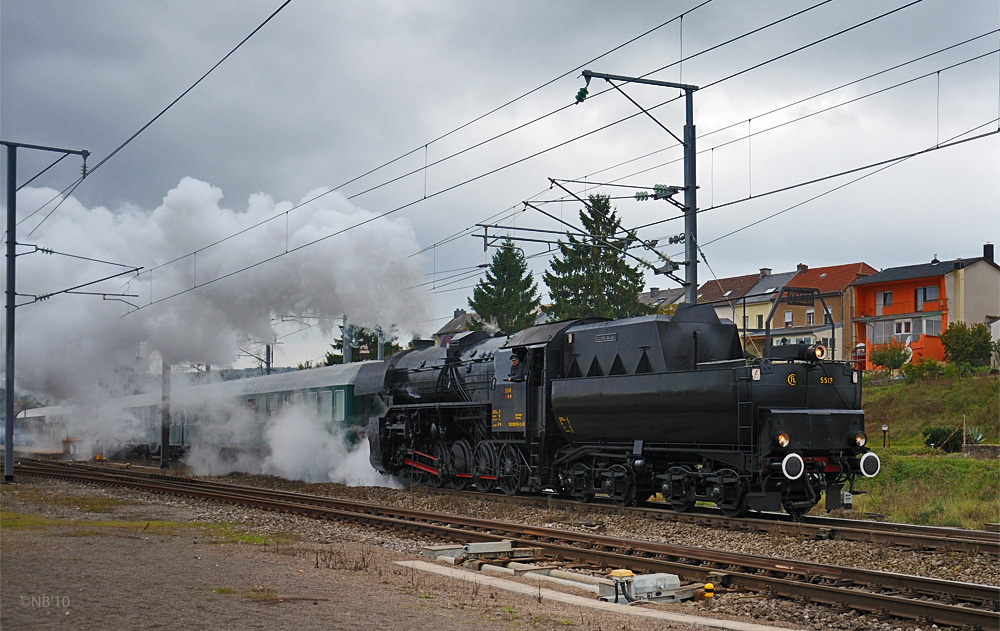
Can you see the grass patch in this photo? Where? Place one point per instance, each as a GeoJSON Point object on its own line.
{"type": "Point", "coordinates": [212, 533]}
{"type": "Point", "coordinates": [933, 490]}
{"type": "Point", "coordinates": [231, 533]}
{"type": "Point", "coordinates": [87, 527]}
{"type": "Point", "coordinates": [10, 520]}
{"type": "Point", "coordinates": [908, 406]}
{"type": "Point", "coordinates": [921, 485]}
{"type": "Point", "coordinates": [88, 504]}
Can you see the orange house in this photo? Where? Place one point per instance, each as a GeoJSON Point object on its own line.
{"type": "Point", "coordinates": [915, 303]}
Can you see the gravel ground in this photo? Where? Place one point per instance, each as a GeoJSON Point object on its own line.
{"type": "Point", "coordinates": [956, 566]}
{"type": "Point", "coordinates": [76, 569]}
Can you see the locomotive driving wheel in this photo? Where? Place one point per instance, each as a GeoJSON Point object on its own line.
{"type": "Point", "coordinates": [461, 465]}
{"type": "Point", "coordinates": [511, 472]}
{"type": "Point", "coordinates": [440, 453]}
{"type": "Point", "coordinates": [484, 467]}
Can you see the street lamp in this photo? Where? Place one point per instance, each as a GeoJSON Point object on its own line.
{"type": "Point", "coordinates": [885, 433]}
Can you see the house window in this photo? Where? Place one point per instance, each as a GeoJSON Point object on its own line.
{"type": "Point", "coordinates": [926, 294]}
{"type": "Point", "coordinates": [746, 322]}
{"type": "Point", "coordinates": [887, 298]}
{"type": "Point", "coordinates": [902, 331]}
{"type": "Point", "coordinates": [880, 332]}
{"type": "Point", "coordinates": [788, 318]}
{"type": "Point", "coordinates": [932, 326]}
{"type": "Point", "coordinates": [827, 317]}
{"type": "Point", "coordinates": [810, 317]}
{"type": "Point", "coordinates": [760, 322]}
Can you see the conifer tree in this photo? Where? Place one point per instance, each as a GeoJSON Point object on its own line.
{"type": "Point", "coordinates": [508, 297]}
{"type": "Point", "coordinates": [590, 277]}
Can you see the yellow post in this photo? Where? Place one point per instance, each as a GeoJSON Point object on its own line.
{"type": "Point", "coordinates": [709, 595]}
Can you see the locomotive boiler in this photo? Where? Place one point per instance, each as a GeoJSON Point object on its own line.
{"type": "Point", "coordinates": [624, 409]}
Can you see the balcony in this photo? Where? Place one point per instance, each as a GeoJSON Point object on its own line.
{"type": "Point", "coordinates": [898, 308]}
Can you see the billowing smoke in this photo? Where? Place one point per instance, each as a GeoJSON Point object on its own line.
{"type": "Point", "coordinates": [197, 308]}
{"type": "Point", "coordinates": [301, 447]}
{"type": "Point", "coordinates": [296, 444]}
{"type": "Point", "coordinates": [87, 351]}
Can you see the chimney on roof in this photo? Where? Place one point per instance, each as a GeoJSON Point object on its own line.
{"type": "Point", "coordinates": [988, 252]}
{"type": "Point", "coordinates": [459, 312]}
{"type": "Point", "coordinates": [653, 292]}
{"type": "Point", "coordinates": [935, 261]}
{"type": "Point", "coordinates": [765, 271]}
{"type": "Point", "coordinates": [959, 264]}
{"type": "Point", "coordinates": [802, 267]}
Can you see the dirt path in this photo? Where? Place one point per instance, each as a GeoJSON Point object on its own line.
{"type": "Point", "coordinates": [71, 559]}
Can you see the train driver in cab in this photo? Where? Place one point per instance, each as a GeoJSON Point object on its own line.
{"type": "Point", "coordinates": [516, 369]}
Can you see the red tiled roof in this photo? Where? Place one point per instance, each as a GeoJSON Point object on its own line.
{"type": "Point", "coordinates": [834, 278]}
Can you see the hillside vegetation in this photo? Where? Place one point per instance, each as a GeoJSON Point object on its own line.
{"type": "Point", "coordinates": [922, 485]}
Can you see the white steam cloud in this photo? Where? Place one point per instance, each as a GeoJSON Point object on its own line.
{"type": "Point", "coordinates": [73, 346]}
{"type": "Point", "coordinates": [296, 444]}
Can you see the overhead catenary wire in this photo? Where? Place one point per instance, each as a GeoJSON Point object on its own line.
{"type": "Point", "coordinates": [164, 110]}
{"type": "Point", "coordinates": [488, 140]}
{"type": "Point", "coordinates": [518, 161]}
{"type": "Point", "coordinates": [616, 181]}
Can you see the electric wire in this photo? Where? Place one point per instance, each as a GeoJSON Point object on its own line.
{"type": "Point", "coordinates": [482, 143]}
{"type": "Point", "coordinates": [172, 103]}
{"type": "Point", "coordinates": [493, 171]}
{"type": "Point", "coordinates": [42, 172]}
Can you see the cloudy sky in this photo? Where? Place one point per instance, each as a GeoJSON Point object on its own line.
{"type": "Point", "coordinates": [444, 115]}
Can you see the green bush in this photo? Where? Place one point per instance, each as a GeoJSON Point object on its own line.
{"type": "Point", "coordinates": [891, 356]}
{"type": "Point", "coordinates": [947, 439]}
{"type": "Point", "coordinates": [923, 368]}
{"type": "Point", "coordinates": [964, 344]}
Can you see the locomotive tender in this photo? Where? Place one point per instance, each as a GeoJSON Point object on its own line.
{"type": "Point", "coordinates": [623, 409]}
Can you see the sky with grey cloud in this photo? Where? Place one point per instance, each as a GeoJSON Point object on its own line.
{"type": "Point", "coordinates": [390, 108]}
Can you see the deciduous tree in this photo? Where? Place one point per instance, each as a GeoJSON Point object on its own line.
{"type": "Point", "coordinates": [964, 344]}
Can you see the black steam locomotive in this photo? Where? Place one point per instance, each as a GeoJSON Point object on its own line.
{"type": "Point", "coordinates": [623, 409]}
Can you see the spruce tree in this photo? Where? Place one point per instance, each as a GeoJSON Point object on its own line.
{"type": "Point", "coordinates": [508, 297]}
{"type": "Point", "coordinates": [591, 277]}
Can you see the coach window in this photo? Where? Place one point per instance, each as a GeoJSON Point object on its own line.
{"type": "Point", "coordinates": [311, 401]}
{"type": "Point", "coordinates": [326, 405]}
{"type": "Point", "coordinates": [297, 399]}
{"type": "Point", "coordinates": [273, 406]}
{"type": "Point", "coordinates": [338, 409]}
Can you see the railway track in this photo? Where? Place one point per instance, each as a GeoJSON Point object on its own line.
{"type": "Point", "coordinates": [942, 602]}
{"type": "Point", "coordinates": [905, 536]}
